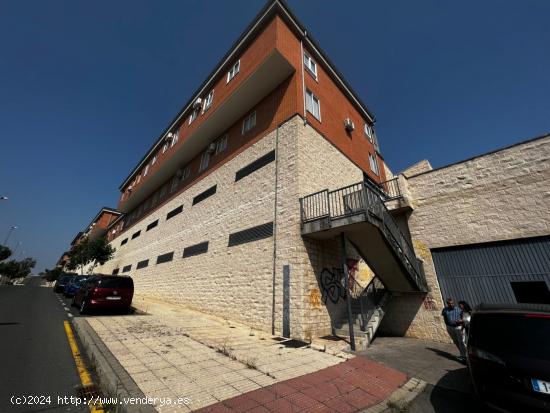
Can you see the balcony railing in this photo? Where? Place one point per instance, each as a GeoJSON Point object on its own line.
{"type": "Point", "coordinates": [390, 189]}
{"type": "Point", "coordinates": [363, 197]}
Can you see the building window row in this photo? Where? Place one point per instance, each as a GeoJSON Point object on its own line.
{"type": "Point", "coordinates": [240, 174]}
{"type": "Point", "coordinates": [173, 137]}
{"type": "Point", "coordinates": [252, 234]}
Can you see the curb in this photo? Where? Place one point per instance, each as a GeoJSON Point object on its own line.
{"type": "Point", "coordinates": [400, 399]}
{"type": "Point", "coordinates": [113, 379]}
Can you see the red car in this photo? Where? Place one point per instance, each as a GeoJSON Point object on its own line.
{"type": "Point", "coordinates": [105, 292]}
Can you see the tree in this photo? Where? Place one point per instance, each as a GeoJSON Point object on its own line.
{"type": "Point", "coordinates": [5, 252]}
{"type": "Point", "coordinates": [52, 275]}
{"type": "Point", "coordinates": [17, 269]}
{"type": "Point", "coordinates": [90, 251]}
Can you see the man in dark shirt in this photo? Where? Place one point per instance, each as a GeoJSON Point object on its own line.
{"type": "Point", "coordinates": [453, 320]}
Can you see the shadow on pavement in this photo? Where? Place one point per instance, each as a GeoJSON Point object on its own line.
{"type": "Point", "coordinates": [442, 353]}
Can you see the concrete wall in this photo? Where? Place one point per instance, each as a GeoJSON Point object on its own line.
{"type": "Point", "coordinates": [498, 196]}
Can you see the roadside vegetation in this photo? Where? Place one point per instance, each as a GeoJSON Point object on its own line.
{"type": "Point", "coordinates": [96, 251]}
{"type": "Point", "coordinates": [13, 269]}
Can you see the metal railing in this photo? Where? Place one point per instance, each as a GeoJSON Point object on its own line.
{"type": "Point", "coordinates": [390, 189]}
{"type": "Point", "coordinates": [370, 299]}
{"type": "Point", "coordinates": [362, 197]}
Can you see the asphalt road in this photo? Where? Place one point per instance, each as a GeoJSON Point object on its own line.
{"type": "Point", "coordinates": [36, 359]}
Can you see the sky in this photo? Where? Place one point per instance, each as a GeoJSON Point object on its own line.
{"type": "Point", "coordinates": [87, 87]}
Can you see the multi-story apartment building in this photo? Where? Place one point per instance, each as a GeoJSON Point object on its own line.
{"type": "Point", "coordinates": [212, 213]}
{"type": "Point", "coordinates": [267, 198]}
{"type": "Point", "coordinates": [97, 228]}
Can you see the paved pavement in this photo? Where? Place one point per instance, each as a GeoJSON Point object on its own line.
{"type": "Point", "coordinates": [35, 356]}
{"type": "Point", "coordinates": [344, 388]}
{"type": "Point", "coordinates": [173, 352]}
{"type": "Point", "coordinates": [449, 388]}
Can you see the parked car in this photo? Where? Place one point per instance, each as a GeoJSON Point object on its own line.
{"type": "Point", "coordinates": [509, 356]}
{"type": "Point", "coordinates": [73, 285]}
{"type": "Point", "coordinates": [61, 282]}
{"type": "Point", "coordinates": [105, 292]}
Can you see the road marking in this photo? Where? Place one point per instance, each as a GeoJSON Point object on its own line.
{"type": "Point", "coordinates": [85, 377]}
{"type": "Point", "coordinates": [66, 308]}
{"type": "Point", "coordinates": [70, 315]}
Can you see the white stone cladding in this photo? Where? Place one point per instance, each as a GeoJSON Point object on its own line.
{"type": "Point", "coordinates": [498, 196]}
{"type": "Point", "coordinates": [233, 282]}
{"type": "Point", "coordinates": [237, 282]}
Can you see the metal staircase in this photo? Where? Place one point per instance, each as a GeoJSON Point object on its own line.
{"type": "Point", "coordinates": [359, 212]}
{"type": "Point", "coordinates": [368, 309]}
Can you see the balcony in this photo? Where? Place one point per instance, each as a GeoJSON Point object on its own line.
{"type": "Point", "coordinates": [269, 73]}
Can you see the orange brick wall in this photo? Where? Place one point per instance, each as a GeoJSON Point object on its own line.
{"type": "Point", "coordinates": [280, 105]}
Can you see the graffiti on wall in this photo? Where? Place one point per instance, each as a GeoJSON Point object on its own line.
{"type": "Point", "coordinates": [332, 284]}
{"type": "Point", "coordinates": [332, 281]}
{"type": "Point", "coordinates": [429, 303]}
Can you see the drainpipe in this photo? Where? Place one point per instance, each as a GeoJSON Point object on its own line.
{"type": "Point", "coordinates": [275, 231]}
{"type": "Point", "coordinates": [303, 78]}
{"type": "Point", "coordinates": [348, 292]}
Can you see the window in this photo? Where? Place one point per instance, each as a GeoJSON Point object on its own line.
{"type": "Point", "coordinates": [152, 225]}
{"type": "Point", "coordinates": [233, 71]}
{"type": "Point", "coordinates": [205, 194]}
{"type": "Point", "coordinates": [174, 183]}
{"type": "Point", "coordinates": [142, 264]}
{"type": "Point", "coordinates": [221, 144]}
{"type": "Point", "coordinates": [165, 147]}
{"type": "Point", "coordinates": [373, 164]}
{"type": "Point", "coordinates": [205, 160]}
{"type": "Point", "coordinates": [310, 65]}
{"type": "Point", "coordinates": [313, 105]}
{"type": "Point", "coordinates": [154, 160]}
{"type": "Point", "coordinates": [249, 122]}
{"type": "Point", "coordinates": [115, 271]}
{"type": "Point", "coordinates": [369, 132]}
{"type": "Point", "coordinates": [208, 101]}
{"type": "Point", "coordinates": [185, 173]}
{"type": "Point", "coordinates": [124, 241]}
{"type": "Point", "coordinates": [175, 138]}
{"type": "Point", "coordinates": [254, 166]}
{"type": "Point", "coordinates": [195, 249]}
{"type": "Point", "coordinates": [127, 268]}
{"type": "Point", "coordinates": [146, 170]}
{"type": "Point", "coordinates": [193, 116]}
{"type": "Point", "coordinates": [136, 234]}
{"type": "Point", "coordinates": [138, 179]}
{"type": "Point", "coordinates": [165, 257]}
{"type": "Point", "coordinates": [174, 212]}
{"type": "Point", "coordinates": [251, 234]}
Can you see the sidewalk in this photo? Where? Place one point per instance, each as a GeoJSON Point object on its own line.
{"type": "Point", "coordinates": [173, 352]}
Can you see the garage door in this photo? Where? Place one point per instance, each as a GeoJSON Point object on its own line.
{"type": "Point", "coordinates": [501, 272]}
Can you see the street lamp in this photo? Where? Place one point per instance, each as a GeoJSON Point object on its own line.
{"type": "Point", "coordinates": [3, 198]}
{"type": "Point", "coordinates": [17, 247]}
{"type": "Point", "coordinates": [9, 233]}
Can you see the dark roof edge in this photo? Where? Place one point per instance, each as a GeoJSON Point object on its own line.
{"type": "Point", "coordinates": [529, 140]}
{"type": "Point", "coordinates": [264, 15]}
{"type": "Point", "coordinates": [103, 209]}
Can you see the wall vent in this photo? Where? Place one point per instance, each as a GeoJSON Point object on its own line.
{"type": "Point", "coordinates": [251, 234]}
{"type": "Point", "coordinates": [195, 249]}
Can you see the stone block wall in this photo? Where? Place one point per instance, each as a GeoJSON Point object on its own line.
{"type": "Point", "coordinates": [497, 196]}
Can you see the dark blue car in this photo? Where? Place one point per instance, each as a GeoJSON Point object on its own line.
{"type": "Point", "coordinates": [74, 285]}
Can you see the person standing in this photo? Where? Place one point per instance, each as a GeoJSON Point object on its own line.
{"type": "Point", "coordinates": [453, 320]}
